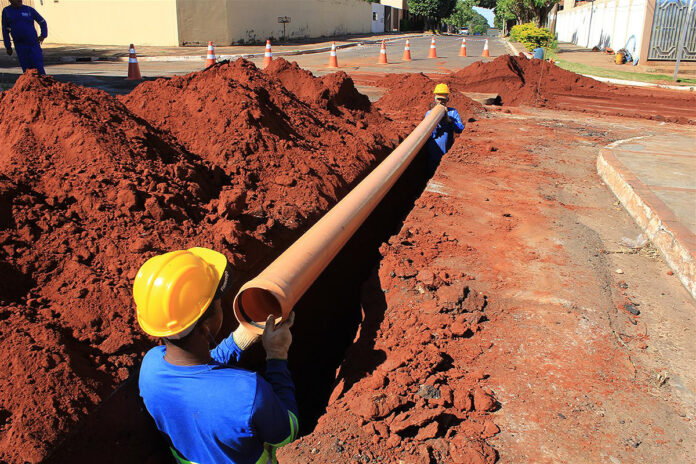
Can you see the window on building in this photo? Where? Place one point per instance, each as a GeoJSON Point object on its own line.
{"type": "Point", "coordinates": [375, 16]}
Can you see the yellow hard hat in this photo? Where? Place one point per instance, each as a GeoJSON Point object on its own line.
{"type": "Point", "coordinates": [441, 89]}
{"type": "Point", "coordinates": [173, 290]}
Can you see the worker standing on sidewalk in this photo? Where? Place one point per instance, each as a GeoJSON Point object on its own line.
{"type": "Point", "coordinates": [443, 135]}
{"type": "Point", "coordinates": [18, 21]}
{"type": "Point", "coordinates": [209, 410]}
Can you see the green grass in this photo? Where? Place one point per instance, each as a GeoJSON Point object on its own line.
{"type": "Point", "coordinates": [626, 75]}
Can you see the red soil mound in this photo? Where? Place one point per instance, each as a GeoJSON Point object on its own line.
{"type": "Point", "coordinates": [89, 190]}
{"type": "Point", "coordinates": [84, 187]}
{"type": "Point", "coordinates": [410, 96]}
{"type": "Point", "coordinates": [520, 81]}
{"type": "Point", "coordinates": [335, 91]}
{"type": "Point", "coordinates": [297, 159]}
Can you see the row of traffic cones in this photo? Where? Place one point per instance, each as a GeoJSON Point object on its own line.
{"type": "Point", "coordinates": [134, 68]}
{"type": "Point", "coordinates": [431, 54]}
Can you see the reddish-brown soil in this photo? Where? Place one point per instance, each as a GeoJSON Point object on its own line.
{"type": "Point", "coordinates": [521, 81]}
{"type": "Point", "coordinates": [89, 189]}
{"type": "Point", "coordinates": [410, 96]}
{"type": "Point", "coordinates": [244, 160]}
{"type": "Point", "coordinates": [499, 284]}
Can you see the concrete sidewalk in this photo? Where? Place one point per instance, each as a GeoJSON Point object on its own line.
{"type": "Point", "coordinates": [655, 180]}
{"type": "Point", "coordinates": [54, 54]}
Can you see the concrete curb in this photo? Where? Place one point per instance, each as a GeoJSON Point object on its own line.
{"type": "Point", "coordinates": [676, 243]}
{"type": "Point", "coordinates": [640, 84]}
{"type": "Point", "coordinates": [308, 51]}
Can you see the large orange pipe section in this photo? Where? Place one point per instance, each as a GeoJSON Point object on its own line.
{"type": "Point", "coordinates": [277, 289]}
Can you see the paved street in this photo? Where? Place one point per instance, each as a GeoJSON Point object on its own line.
{"type": "Point", "coordinates": [110, 76]}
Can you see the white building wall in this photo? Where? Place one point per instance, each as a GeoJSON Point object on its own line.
{"type": "Point", "coordinates": [377, 18]}
{"type": "Point", "coordinates": [615, 24]}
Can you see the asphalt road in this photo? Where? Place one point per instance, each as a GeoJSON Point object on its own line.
{"type": "Point", "coordinates": [110, 76]}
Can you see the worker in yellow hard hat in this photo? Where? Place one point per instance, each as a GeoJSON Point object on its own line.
{"type": "Point", "coordinates": [208, 409]}
{"type": "Point", "coordinates": [443, 135]}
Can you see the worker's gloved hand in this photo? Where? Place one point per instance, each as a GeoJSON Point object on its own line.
{"type": "Point", "coordinates": [277, 339]}
{"type": "Point", "coordinates": [9, 51]}
{"type": "Point", "coordinates": [41, 39]}
{"type": "Point", "coordinates": [244, 338]}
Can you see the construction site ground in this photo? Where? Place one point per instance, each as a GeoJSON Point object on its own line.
{"type": "Point", "coordinates": [487, 314]}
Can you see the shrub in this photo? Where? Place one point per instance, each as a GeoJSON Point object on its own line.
{"type": "Point", "coordinates": [531, 36]}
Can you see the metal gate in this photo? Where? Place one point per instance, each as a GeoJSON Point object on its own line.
{"type": "Point", "coordinates": [667, 28]}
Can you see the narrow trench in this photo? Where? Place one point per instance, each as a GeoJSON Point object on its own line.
{"type": "Point", "coordinates": [330, 313]}
{"type": "Point", "coordinates": [327, 320]}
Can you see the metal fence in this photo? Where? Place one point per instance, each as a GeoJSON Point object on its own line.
{"type": "Point", "coordinates": [666, 31]}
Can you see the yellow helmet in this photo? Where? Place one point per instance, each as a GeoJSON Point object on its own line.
{"type": "Point", "coordinates": [171, 291]}
{"type": "Point", "coordinates": [441, 89]}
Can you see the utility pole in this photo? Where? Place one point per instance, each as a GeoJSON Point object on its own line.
{"type": "Point", "coordinates": [682, 38]}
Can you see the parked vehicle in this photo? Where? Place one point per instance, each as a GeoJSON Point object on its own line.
{"type": "Point", "coordinates": [464, 31]}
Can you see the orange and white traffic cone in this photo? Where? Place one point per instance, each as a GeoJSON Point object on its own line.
{"type": "Point", "coordinates": [433, 51]}
{"type": "Point", "coordinates": [268, 56]}
{"type": "Point", "coordinates": [407, 52]}
{"type": "Point", "coordinates": [462, 49]}
{"type": "Point", "coordinates": [210, 58]}
{"type": "Point", "coordinates": [383, 54]}
{"type": "Point", "coordinates": [485, 50]}
{"type": "Point", "coordinates": [333, 60]}
{"type": "Point", "coordinates": [133, 68]}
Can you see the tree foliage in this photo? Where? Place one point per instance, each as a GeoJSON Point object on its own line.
{"type": "Point", "coordinates": [464, 15]}
{"type": "Point", "coordinates": [523, 11]}
{"type": "Point", "coordinates": [437, 9]}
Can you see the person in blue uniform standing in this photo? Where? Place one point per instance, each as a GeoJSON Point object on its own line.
{"type": "Point", "coordinates": [18, 22]}
{"type": "Point", "coordinates": [443, 135]}
{"type": "Point", "coordinates": [209, 410]}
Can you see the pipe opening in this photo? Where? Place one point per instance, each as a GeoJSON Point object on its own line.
{"type": "Point", "coordinates": [254, 305]}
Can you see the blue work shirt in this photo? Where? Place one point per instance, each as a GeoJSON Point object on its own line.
{"type": "Point", "coordinates": [443, 135]}
{"type": "Point", "coordinates": [217, 413]}
{"type": "Point", "coordinates": [19, 22]}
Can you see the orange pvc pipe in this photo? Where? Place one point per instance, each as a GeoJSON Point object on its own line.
{"type": "Point", "coordinates": [277, 289]}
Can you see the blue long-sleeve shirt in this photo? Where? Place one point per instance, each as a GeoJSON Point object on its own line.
{"type": "Point", "coordinates": [443, 134]}
{"type": "Point", "coordinates": [19, 23]}
{"type": "Point", "coordinates": [218, 413]}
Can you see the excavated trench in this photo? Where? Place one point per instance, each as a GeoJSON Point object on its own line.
{"type": "Point", "coordinates": [327, 320]}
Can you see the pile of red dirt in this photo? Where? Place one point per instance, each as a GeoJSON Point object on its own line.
{"type": "Point", "coordinates": [410, 96]}
{"type": "Point", "coordinates": [335, 91]}
{"type": "Point", "coordinates": [296, 156]}
{"type": "Point", "coordinates": [86, 189]}
{"type": "Point", "coordinates": [521, 81]}
{"type": "Point", "coordinates": [225, 158]}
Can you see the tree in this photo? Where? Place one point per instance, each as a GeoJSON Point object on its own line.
{"type": "Point", "coordinates": [523, 11]}
{"type": "Point", "coordinates": [464, 15]}
{"type": "Point", "coordinates": [490, 4]}
{"type": "Point", "coordinates": [436, 9]}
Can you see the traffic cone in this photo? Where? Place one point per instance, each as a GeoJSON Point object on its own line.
{"type": "Point", "coordinates": [383, 54]}
{"type": "Point", "coordinates": [210, 58]}
{"type": "Point", "coordinates": [462, 50]}
{"type": "Point", "coordinates": [333, 60]}
{"type": "Point", "coordinates": [268, 56]}
{"type": "Point", "coordinates": [407, 52]}
{"type": "Point", "coordinates": [433, 51]}
{"type": "Point", "coordinates": [133, 68]}
{"type": "Point", "coordinates": [485, 50]}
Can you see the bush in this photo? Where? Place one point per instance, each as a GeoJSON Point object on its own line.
{"type": "Point", "coordinates": [531, 36]}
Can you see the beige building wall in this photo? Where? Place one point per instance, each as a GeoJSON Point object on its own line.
{"type": "Point", "coordinates": [195, 22]}
{"type": "Point", "coordinates": [110, 22]}
{"type": "Point", "coordinates": [253, 21]}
